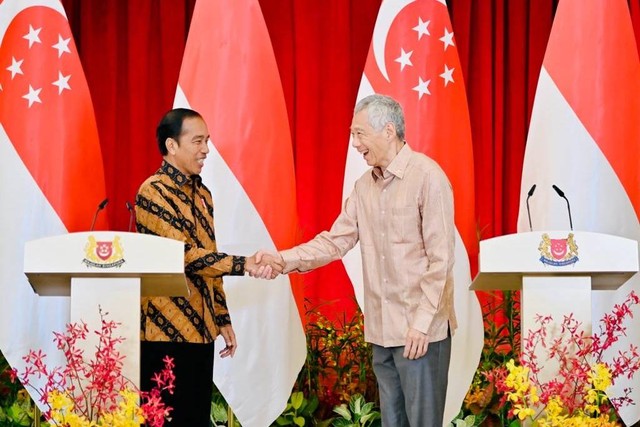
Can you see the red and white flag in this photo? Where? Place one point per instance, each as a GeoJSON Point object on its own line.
{"type": "Point", "coordinates": [230, 76]}
{"type": "Point", "coordinates": [51, 172]}
{"type": "Point", "coordinates": [413, 58]}
{"type": "Point", "coordinates": [584, 137]}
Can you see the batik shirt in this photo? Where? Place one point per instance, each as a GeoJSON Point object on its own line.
{"type": "Point", "coordinates": [171, 204]}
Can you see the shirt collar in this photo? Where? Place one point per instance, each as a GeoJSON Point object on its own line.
{"type": "Point", "coordinates": [176, 176]}
{"type": "Point", "coordinates": [398, 165]}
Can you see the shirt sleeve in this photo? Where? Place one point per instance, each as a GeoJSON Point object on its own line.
{"type": "Point", "coordinates": [438, 234]}
{"type": "Point", "coordinates": [328, 245]}
{"type": "Point", "coordinates": [155, 215]}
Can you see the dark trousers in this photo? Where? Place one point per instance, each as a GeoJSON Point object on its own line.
{"type": "Point", "coordinates": [412, 392]}
{"type": "Point", "coordinates": [191, 399]}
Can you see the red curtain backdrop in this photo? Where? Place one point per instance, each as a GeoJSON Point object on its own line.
{"type": "Point", "coordinates": [132, 50]}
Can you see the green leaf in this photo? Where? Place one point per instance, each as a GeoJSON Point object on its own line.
{"type": "Point", "coordinates": [515, 423]}
{"type": "Point", "coordinates": [299, 421]}
{"type": "Point", "coordinates": [311, 406]}
{"type": "Point", "coordinates": [341, 422]}
{"type": "Point", "coordinates": [370, 417]}
{"type": "Point", "coordinates": [366, 408]}
{"type": "Point", "coordinates": [355, 404]}
{"type": "Point", "coordinates": [219, 413]}
{"type": "Point", "coordinates": [296, 400]}
{"type": "Point", "coordinates": [283, 421]}
{"type": "Point", "coordinates": [343, 412]}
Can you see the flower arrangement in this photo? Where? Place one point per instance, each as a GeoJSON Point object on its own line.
{"type": "Point", "coordinates": [336, 386]}
{"type": "Point", "coordinates": [506, 391]}
{"type": "Point", "coordinates": [339, 361]}
{"type": "Point", "coordinates": [577, 394]}
{"type": "Point", "coordinates": [95, 393]}
{"type": "Point", "coordinates": [484, 403]}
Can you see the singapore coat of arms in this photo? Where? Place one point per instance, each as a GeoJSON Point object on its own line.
{"type": "Point", "coordinates": [558, 252]}
{"type": "Point", "coordinates": [103, 254]}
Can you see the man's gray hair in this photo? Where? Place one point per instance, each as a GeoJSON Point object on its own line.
{"type": "Point", "coordinates": [382, 109]}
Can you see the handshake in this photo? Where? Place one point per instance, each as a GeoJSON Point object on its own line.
{"type": "Point", "coordinates": [264, 265]}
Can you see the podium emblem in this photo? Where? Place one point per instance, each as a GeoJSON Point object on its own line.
{"type": "Point", "coordinates": [558, 252]}
{"type": "Point", "coordinates": [103, 254]}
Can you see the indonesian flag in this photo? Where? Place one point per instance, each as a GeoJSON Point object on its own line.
{"type": "Point", "coordinates": [584, 138]}
{"type": "Point", "coordinates": [51, 173]}
{"type": "Point", "coordinates": [230, 76]}
{"type": "Point", "coordinates": [413, 58]}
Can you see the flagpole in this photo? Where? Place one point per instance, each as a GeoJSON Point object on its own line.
{"type": "Point", "coordinates": [36, 415]}
{"type": "Point", "coordinates": [230, 416]}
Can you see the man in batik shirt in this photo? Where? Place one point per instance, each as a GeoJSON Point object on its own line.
{"type": "Point", "coordinates": [174, 203]}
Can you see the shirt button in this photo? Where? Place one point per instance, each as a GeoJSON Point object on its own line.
{"type": "Point", "coordinates": [383, 257]}
{"type": "Point", "coordinates": [382, 212]}
{"type": "Point", "coordinates": [386, 281]}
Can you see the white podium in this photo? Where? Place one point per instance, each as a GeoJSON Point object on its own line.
{"type": "Point", "coordinates": [556, 271]}
{"type": "Point", "coordinates": [108, 271]}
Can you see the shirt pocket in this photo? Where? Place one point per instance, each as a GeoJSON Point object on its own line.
{"type": "Point", "coordinates": [405, 225]}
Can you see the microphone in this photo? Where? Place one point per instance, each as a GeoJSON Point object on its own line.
{"type": "Point", "coordinates": [100, 207]}
{"type": "Point", "coordinates": [561, 194]}
{"type": "Point", "coordinates": [131, 214]}
{"type": "Point", "coordinates": [529, 194]}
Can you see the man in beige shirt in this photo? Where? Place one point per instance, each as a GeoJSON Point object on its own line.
{"type": "Point", "coordinates": [401, 211]}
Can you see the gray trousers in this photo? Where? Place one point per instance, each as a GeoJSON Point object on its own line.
{"type": "Point", "coordinates": [412, 392]}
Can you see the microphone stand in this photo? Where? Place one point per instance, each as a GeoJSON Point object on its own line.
{"type": "Point", "coordinates": [131, 214]}
{"type": "Point", "coordinates": [95, 216]}
{"type": "Point", "coordinates": [561, 194]}
{"type": "Point", "coordinates": [529, 194]}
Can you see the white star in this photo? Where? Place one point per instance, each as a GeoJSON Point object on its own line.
{"type": "Point", "coordinates": [422, 28]}
{"type": "Point", "coordinates": [33, 96]}
{"type": "Point", "coordinates": [404, 59]}
{"type": "Point", "coordinates": [422, 88]}
{"type": "Point", "coordinates": [62, 45]}
{"type": "Point", "coordinates": [447, 75]}
{"type": "Point", "coordinates": [62, 82]}
{"type": "Point", "coordinates": [444, 2]}
{"type": "Point", "coordinates": [33, 36]}
{"type": "Point", "coordinates": [15, 67]}
{"type": "Point", "coordinates": [447, 39]}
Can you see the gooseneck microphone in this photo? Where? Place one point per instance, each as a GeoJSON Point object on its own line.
{"type": "Point", "coordinates": [529, 194]}
{"type": "Point", "coordinates": [561, 194]}
{"type": "Point", "coordinates": [100, 207]}
{"type": "Point", "coordinates": [131, 214]}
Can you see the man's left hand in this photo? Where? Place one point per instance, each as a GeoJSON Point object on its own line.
{"type": "Point", "coordinates": [229, 339]}
{"type": "Point", "coordinates": [415, 345]}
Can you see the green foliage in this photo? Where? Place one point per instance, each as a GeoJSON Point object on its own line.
{"type": "Point", "coordinates": [468, 421]}
{"type": "Point", "coordinates": [16, 407]}
{"type": "Point", "coordinates": [219, 416]}
{"type": "Point", "coordinates": [19, 414]}
{"type": "Point", "coordinates": [338, 363]}
{"type": "Point", "coordinates": [358, 413]}
{"type": "Point", "coordinates": [338, 367]}
{"type": "Point", "coordinates": [299, 411]}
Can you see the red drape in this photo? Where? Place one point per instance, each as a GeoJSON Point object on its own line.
{"type": "Point", "coordinates": [131, 52]}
